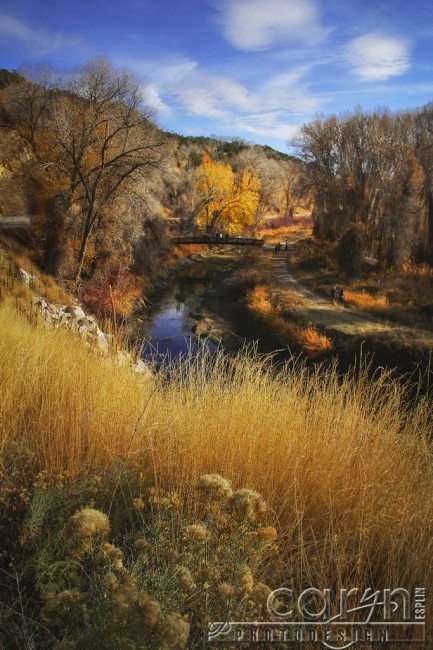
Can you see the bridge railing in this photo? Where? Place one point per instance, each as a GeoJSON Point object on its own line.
{"type": "Point", "coordinates": [211, 239]}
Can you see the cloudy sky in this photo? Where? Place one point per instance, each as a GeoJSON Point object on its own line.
{"type": "Point", "coordinates": [255, 69]}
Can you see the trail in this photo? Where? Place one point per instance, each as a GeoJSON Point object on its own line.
{"type": "Point", "coordinates": [336, 319]}
{"type": "Point", "coordinates": [14, 222]}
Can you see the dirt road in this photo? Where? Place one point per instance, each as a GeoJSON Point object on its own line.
{"type": "Point", "coordinates": [336, 319]}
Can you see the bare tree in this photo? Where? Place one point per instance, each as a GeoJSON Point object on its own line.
{"type": "Point", "coordinates": [105, 141]}
{"type": "Point", "coordinates": [362, 170]}
{"type": "Point", "coordinates": [424, 152]}
{"type": "Point", "coordinates": [27, 103]}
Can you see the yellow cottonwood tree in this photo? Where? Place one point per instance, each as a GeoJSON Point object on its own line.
{"type": "Point", "coordinates": [225, 202]}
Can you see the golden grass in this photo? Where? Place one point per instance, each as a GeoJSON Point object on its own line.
{"type": "Point", "coordinates": [271, 308]}
{"type": "Point", "coordinates": [364, 300]}
{"type": "Point", "coordinates": [344, 463]}
{"type": "Point", "coordinates": [12, 259]}
{"type": "Point", "coordinates": [278, 227]}
{"type": "Point", "coordinates": [313, 341]}
{"type": "Point", "coordinates": [417, 270]}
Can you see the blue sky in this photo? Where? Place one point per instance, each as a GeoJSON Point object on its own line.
{"type": "Point", "coordinates": [255, 69]}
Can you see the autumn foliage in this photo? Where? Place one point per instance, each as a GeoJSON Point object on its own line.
{"type": "Point", "coordinates": [226, 202]}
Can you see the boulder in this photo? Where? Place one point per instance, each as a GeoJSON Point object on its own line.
{"type": "Point", "coordinates": [75, 311]}
{"type": "Point", "coordinates": [39, 303]}
{"type": "Point", "coordinates": [102, 341]}
{"type": "Point", "coordinates": [25, 277]}
{"type": "Point", "coordinates": [142, 368]}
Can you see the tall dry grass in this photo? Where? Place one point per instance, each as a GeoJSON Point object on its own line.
{"type": "Point", "coordinates": [275, 309]}
{"type": "Point", "coordinates": [345, 463]}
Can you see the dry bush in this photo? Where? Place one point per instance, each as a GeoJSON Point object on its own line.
{"type": "Point", "coordinates": [113, 295]}
{"type": "Point", "coordinates": [364, 300]}
{"type": "Point", "coordinates": [281, 225]}
{"type": "Point", "coordinates": [314, 255]}
{"type": "Point", "coordinates": [138, 577]}
{"type": "Point", "coordinates": [314, 342]}
{"type": "Point", "coordinates": [258, 301]}
{"type": "Point", "coordinates": [11, 261]}
{"type": "Point", "coordinates": [410, 269]}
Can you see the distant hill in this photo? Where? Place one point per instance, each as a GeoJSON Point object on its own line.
{"type": "Point", "coordinates": [227, 147]}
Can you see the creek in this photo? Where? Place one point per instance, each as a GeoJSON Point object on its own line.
{"type": "Point", "coordinates": [179, 304]}
{"type": "Point", "coordinates": [193, 310]}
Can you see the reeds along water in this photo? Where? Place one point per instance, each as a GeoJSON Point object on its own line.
{"type": "Point", "coordinates": [344, 463]}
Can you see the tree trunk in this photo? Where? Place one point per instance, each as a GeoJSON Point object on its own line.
{"type": "Point", "coordinates": [83, 247]}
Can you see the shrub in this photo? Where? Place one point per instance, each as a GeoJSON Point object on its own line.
{"type": "Point", "coordinates": [364, 300]}
{"type": "Point", "coordinates": [165, 574]}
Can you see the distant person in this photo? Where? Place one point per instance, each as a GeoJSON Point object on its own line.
{"type": "Point", "coordinates": [342, 298]}
{"type": "Point", "coordinates": [333, 293]}
{"type": "Point", "coordinates": [276, 248]}
{"type": "Point", "coordinates": [279, 246]}
{"type": "Point", "coordinates": [287, 245]}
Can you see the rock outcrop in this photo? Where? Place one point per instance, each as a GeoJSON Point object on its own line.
{"type": "Point", "coordinates": [74, 318]}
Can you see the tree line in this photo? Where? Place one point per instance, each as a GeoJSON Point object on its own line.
{"type": "Point", "coordinates": [84, 156]}
{"type": "Point", "coordinates": [371, 177]}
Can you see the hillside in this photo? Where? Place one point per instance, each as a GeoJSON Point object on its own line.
{"type": "Point", "coordinates": [126, 497]}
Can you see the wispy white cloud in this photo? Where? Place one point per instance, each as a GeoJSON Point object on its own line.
{"type": "Point", "coordinates": [153, 99]}
{"type": "Point", "coordinates": [260, 24]}
{"type": "Point", "coordinates": [39, 42]}
{"type": "Point", "coordinates": [377, 56]}
{"type": "Point", "coordinates": [270, 108]}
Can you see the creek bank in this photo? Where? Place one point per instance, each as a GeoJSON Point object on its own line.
{"type": "Point", "coordinates": [75, 319]}
{"type": "Point", "coordinates": [194, 301]}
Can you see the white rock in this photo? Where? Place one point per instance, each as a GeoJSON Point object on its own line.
{"type": "Point", "coordinates": [76, 312]}
{"type": "Point", "coordinates": [39, 303]}
{"type": "Point", "coordinates": [25, 277]}
{"type": "Point", "coordinates": [63, 319]}
{"type": "Point", "coordinates": [102, 341]}
{"type": "Point", "coordinates": [142, 368]}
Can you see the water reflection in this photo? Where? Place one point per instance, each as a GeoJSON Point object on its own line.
{"type": "Point", "coordinates": [168, 332]}
{"type": "Point", "coordinates": [168, 328]}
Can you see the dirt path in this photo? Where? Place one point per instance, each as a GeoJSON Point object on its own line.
{"type": "Point", "coordinates": [337, 319]}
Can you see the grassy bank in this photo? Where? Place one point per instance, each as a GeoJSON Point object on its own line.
{"type": "Point", "coordinates": [344, 465]}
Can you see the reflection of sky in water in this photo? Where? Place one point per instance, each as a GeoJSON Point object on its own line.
{"type": "Point", "coordinates": [170, 333]}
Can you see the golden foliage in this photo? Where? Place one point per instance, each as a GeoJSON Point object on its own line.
{"type": "Point", "coordinates": [273, 308]}
{"type": "Point", "coordinates": [364, 300]}
{"type": "Point", "coordinates": [228, 203]}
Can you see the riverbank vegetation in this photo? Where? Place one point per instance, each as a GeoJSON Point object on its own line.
{"type": "Point", "coordinates": [371, 177]}
{"type": "Point", "coordinates": [275, 307]}
{"type": "Point", "coordinates": [136, 508]}
{"type": "Point", "coordinates": [402, 295]}
{"type": "Point", "coordinates": [104, 532]}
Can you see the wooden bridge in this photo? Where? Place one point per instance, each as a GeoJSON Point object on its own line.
{"type": "Point", "coordinates": [220, 241]}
